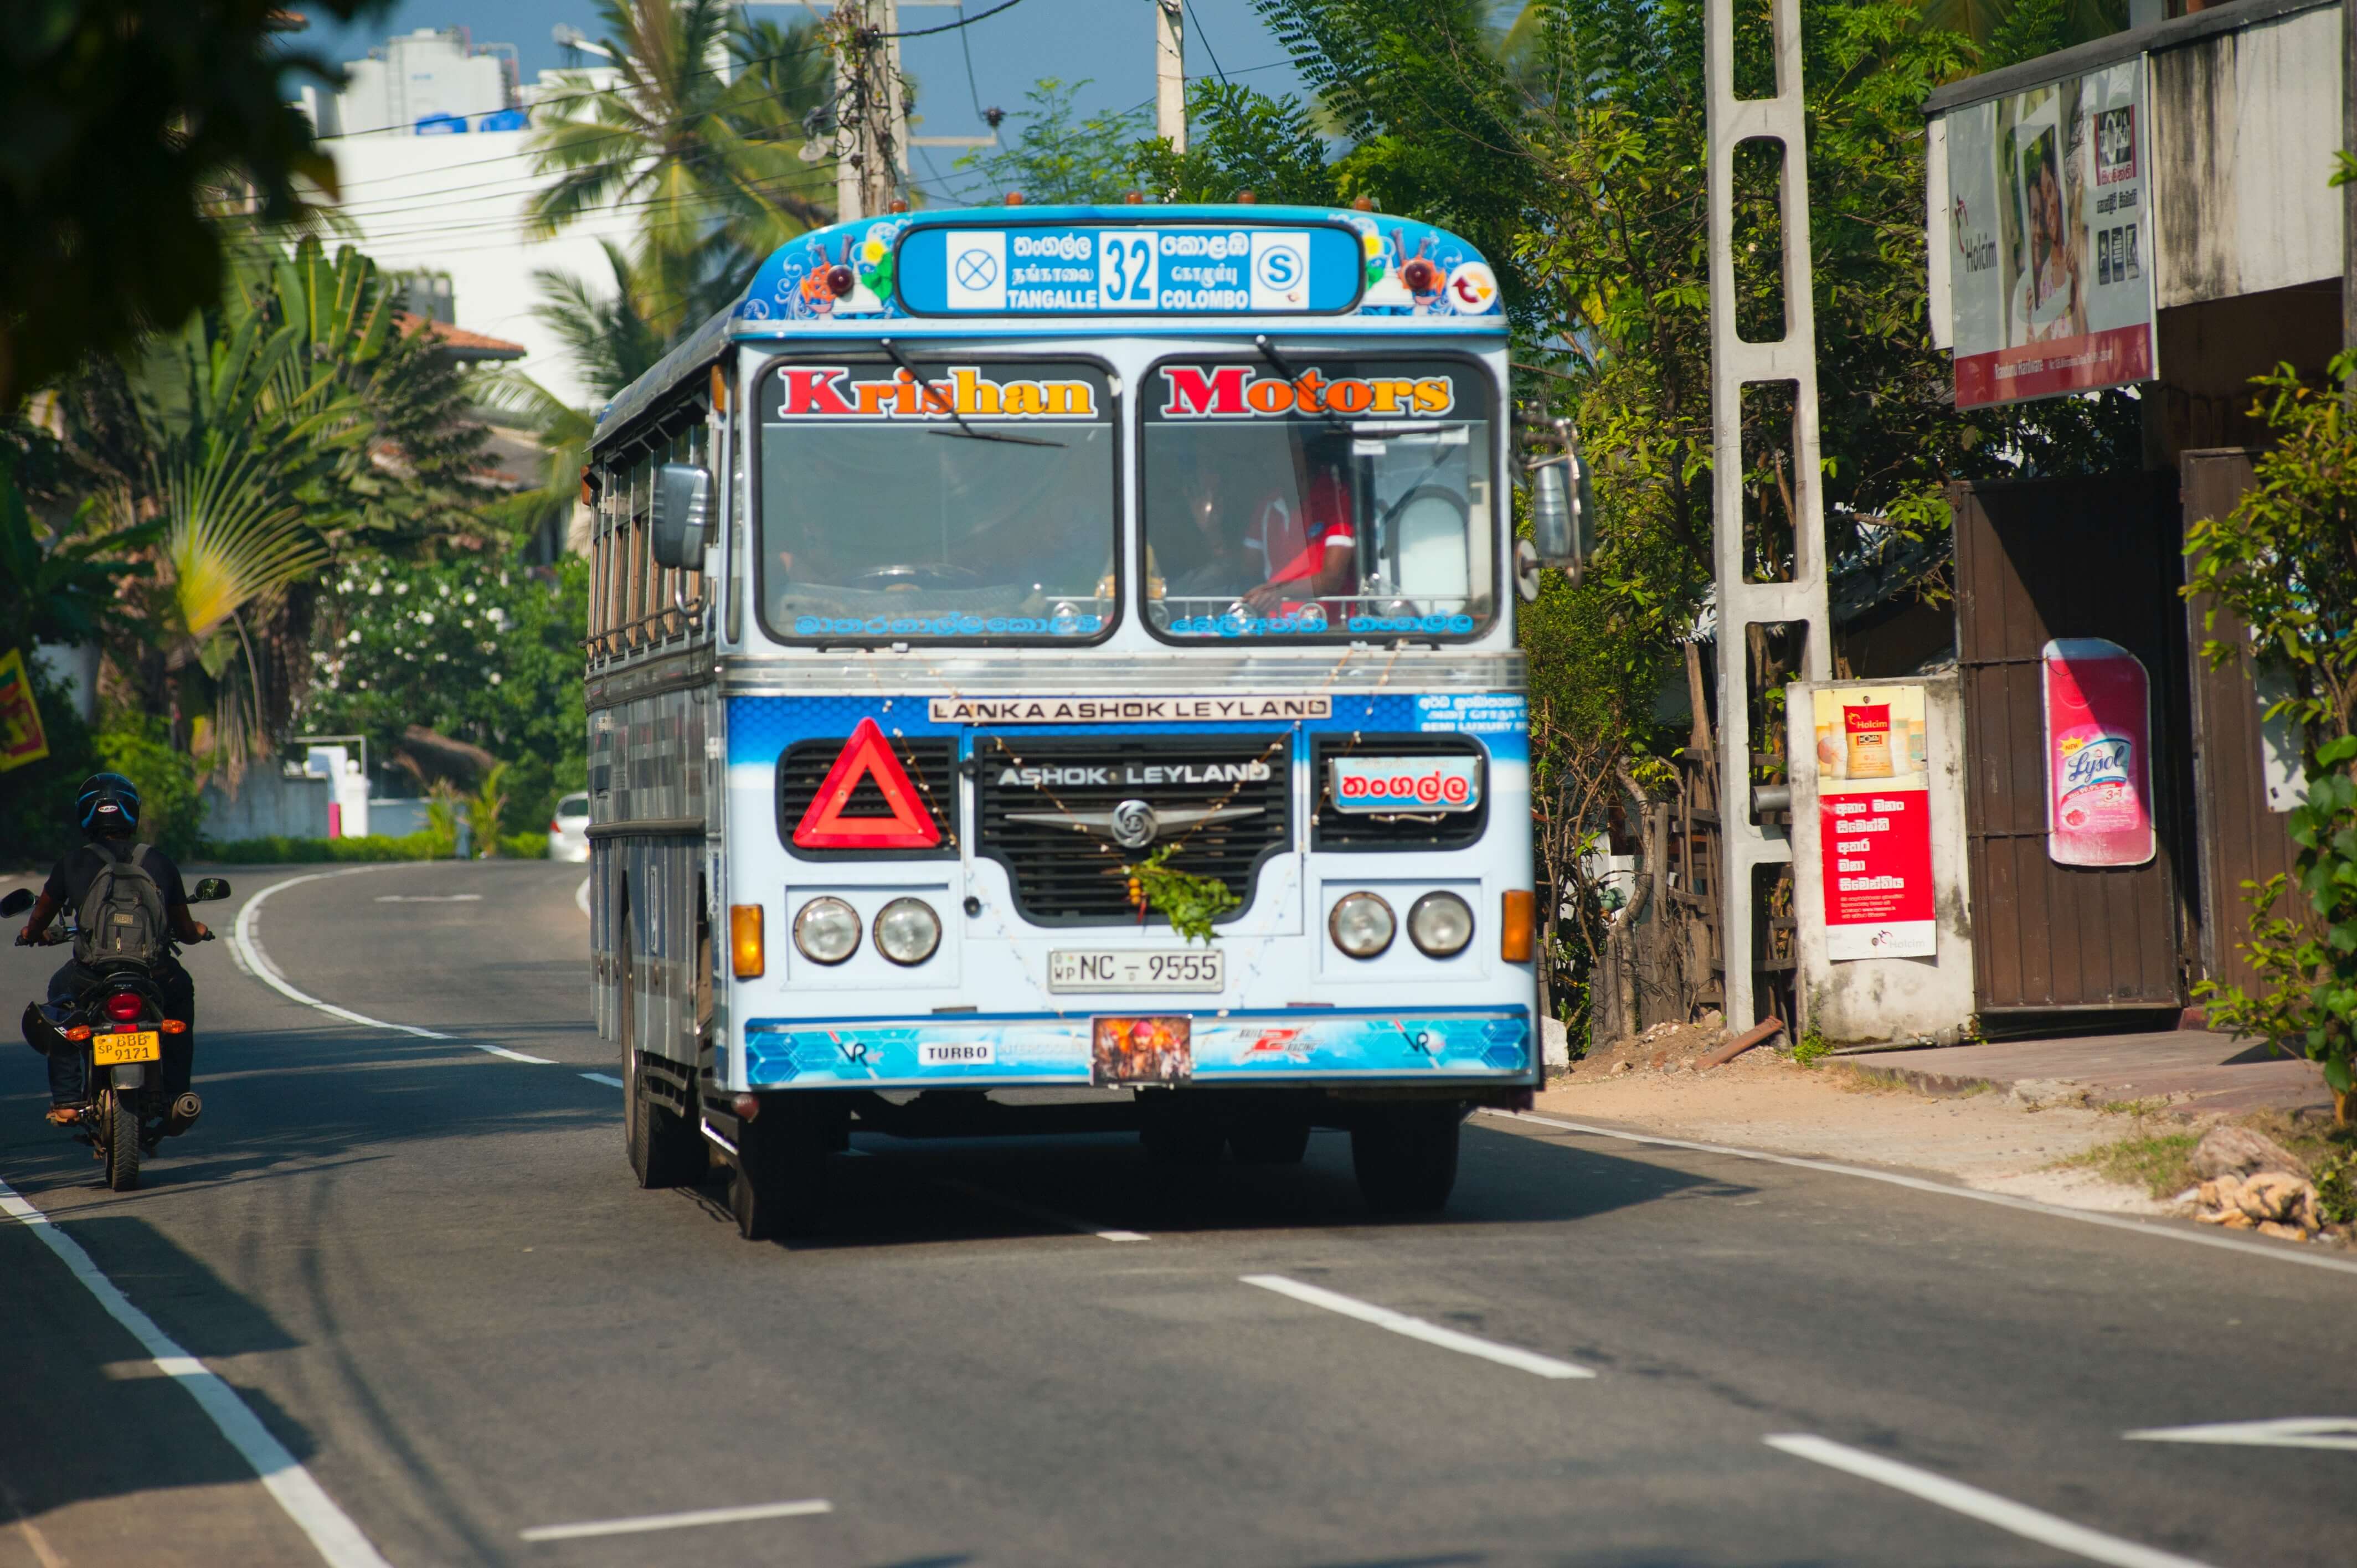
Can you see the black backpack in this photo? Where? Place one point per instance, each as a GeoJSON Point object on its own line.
{"type": "Point", "coordinates": [124, 925]}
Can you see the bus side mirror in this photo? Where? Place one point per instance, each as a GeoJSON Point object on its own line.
{"type": "Point", "coordinates": [681, 516]}
{"type": "Point", "coordinates": [1562, 511]}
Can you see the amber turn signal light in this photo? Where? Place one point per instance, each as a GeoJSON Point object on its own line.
{"type": "Point", "coordinates": [745, 941]}
{"type": "Point", "coordinates": [174, 1025]}
{"type": "Point", "coordinates": [1518, 927]}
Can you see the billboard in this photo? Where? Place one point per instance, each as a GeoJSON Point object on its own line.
{"type": "Point", "coordinates": [1874, 822]}
{"type": "Point", "coordinates": [2052, 286]}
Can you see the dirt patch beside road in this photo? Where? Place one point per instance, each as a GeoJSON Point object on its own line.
{"type": "Point", "coordinates": [1765, 1100]}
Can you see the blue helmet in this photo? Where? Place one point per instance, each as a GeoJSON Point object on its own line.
{"type": "Point", "coordinates": [107, 803]}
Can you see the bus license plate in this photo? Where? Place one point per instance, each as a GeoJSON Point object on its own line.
{"type": "Point", "coordinates": [1104, 969]}
{"type": "Point", "coordinates": [110, 1050]}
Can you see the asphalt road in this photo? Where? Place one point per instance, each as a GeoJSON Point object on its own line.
{"type": "Point", "coordinates": [422, 1268]}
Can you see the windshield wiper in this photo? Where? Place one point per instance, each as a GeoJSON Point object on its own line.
{"type": "Point", "coordinates": [1268, 351]}
{"type": "Point", "coordinates": [967, 431]}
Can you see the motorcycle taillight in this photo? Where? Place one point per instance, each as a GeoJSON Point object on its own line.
{"type": "Point", "coordinates": [124, 1006]}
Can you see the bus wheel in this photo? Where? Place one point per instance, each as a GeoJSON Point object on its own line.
{"type": "Point", "coordinates": [777, 1186]}
{"type": "Point", "coordinates": [1269, 1138]}
{"type": "Point", "coordinates": [1405, 1156]}
{"type": "Point", "coordinates": [664, 1146]}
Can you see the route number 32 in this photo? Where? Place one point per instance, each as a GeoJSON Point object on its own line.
{"type": "Point", "coordinates": [1126, 272]}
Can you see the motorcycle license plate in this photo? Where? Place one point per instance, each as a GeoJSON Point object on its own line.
{"type": "Point", "coordinates": [111, 1050]}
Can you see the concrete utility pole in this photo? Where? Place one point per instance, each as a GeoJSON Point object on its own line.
{"type": "Point", "coordinates": [870, 136]}
{"type": "Point", "coordinates": [1170, 73]}
{"type": "Point", "coordinates": [1735, 364]}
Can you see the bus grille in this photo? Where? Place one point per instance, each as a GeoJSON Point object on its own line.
{"type": "Point", "coordinates": [1065, 877]}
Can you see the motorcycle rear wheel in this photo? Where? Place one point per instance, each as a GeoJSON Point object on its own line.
{"type": "Point", "coordinates": [118, 1125]}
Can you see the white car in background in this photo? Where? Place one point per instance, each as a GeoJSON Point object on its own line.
{"type": "Point", "coordinates": [569, 831]}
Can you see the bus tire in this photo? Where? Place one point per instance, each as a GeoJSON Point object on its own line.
{"type": "Point", "coordinates": [1405, 1156]}
{"type": "Point", "coordinates": [777, 1184]}
{"type": "Point", "coordinates": [664, 1147]}
{"type": "Point", "coordinates": [1269, 1138]}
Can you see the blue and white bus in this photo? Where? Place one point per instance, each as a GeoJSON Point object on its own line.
{"type": "Point", "coordinates": [986, 589]}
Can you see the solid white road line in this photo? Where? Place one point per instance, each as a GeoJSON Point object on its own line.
{"type": "Point", "coordinates": [581, 897]}
{"type": "Point", "coordinates": [339, 1539]}
{"type": "Point", "coordinates": [2282, 1253]}
{"type": "Point", "coordinates": [675, 1521]}
{"type": "Point", "coordinates": [2291, 1431]}
{"type": "Point", "coordinates": [607, 1078]}
{"type": "Point", "coordinates": [1417, 1328]}
{"type": "Point", "coordinates": [2029, 1523]}
{"type": "Point", "coordinates": [245, 941]}
{"type": "Point", "coordinates": [1045, 1216]}
{"type": "Point", "coordinates": [429, 897]}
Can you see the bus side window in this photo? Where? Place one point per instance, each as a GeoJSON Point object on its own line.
{"type": "Point", "coordinates": [597, 615]}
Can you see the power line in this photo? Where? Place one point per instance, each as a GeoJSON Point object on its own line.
{"type": "Point", "coordinates": [964, 21]}
{"type": "Point", "coordinates": [1209, 53]}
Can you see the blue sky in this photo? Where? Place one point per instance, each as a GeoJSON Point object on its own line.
{"type": "Point", "coordinates": [1108, 43]}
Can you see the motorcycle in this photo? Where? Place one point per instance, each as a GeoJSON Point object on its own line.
{"type": "Point", "coordinates": [117, 1022]}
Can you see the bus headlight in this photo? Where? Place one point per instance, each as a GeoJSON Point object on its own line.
{"type": "Point", "coordinates": [827, 931]}
{"type": "Point", "coordinates": [906, 930]}
{"type": "Point", "coordinates": [1439, 924]}
{"type": "Point", "coordinates": [1362, 925]}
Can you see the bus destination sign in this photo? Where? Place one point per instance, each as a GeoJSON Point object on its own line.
{"type": "Point", "coordinates": [1082, 269]}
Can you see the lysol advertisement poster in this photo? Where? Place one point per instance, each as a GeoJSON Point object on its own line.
{"type": "Point", "coordinates": [2052, 284]}
{"type": "Point", "coordinates": [1874, 823]}
{"type": "Point", "coordinates": [2098, 754]}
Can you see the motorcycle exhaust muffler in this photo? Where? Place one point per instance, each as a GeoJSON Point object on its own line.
{"type": "Point", "coordinates": [183, 1116]}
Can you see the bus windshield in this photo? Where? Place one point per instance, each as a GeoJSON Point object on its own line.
{"type": "Point", "coordinates": [949, 501]}
{"type": "Point", "coordinates": [1329, 498]}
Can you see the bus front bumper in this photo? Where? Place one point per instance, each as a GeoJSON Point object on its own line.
{"type": "Point", "coordinates": [1473, 1046]}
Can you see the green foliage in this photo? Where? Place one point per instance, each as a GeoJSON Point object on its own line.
{"type": "Point", "coordinates": [36, 798]}
{"type": "Point", "coordinates": [480, 651]}
{"type": "Point", "coordinates": [1191, 903]}
{"type": "Point", "coordinates": [2336, 1187]}
{"type": "Point", "coordinates": [2285, 561]}
{"type": "Point", "coordinates": [1061, 156]}
{"type": "Point", "coordinates": [171, 812]}
{"type": "Point", "coordinates": [125, 121]}
{"type": "Point", "coordinates": [278, 850]}
{"type": "Point", "coordinates": [710, 158]}
{"type": "Point", "coordinates": [66, 588]}
{"type": "Point", "coordinates": [485, 808]}
{"type": "Point", "coordinates": [524, 845]}
{"type": "Point", "coordinates": [609, 336]}
{"type": "Point", "coordinates": [1238, 139]}
{"type": "Point", "coordinates": [2160, 1163]}
{"type": "Point", "coordinates": [1811, 1049]}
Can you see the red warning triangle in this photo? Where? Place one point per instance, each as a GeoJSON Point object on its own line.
{"type": "Point", "coordinates": [866, 755]}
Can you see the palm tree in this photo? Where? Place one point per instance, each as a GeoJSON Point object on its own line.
{"type": "Point", "coordinates": [611, 336]}
{"type": "Point", "coordinates": [702, 133]}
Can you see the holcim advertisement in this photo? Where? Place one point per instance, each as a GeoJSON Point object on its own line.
{"type": "Point", "coordinates": [2052, 282]}
{"type": "Point", "coordinates": [1874, 823]}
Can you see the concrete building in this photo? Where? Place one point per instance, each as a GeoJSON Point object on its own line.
{"type": "Point", "coordinates": [2149, 210]}
{"type": "Point", "coordinates": [431, 143]}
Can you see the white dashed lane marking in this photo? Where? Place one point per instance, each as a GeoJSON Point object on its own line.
{"type": "Point", "coordinates": [675, 1521]}
{"type": "Point", "coordinates": [1417, 1328]}
{"type": "Point", "coordinates": [2020, 1518]}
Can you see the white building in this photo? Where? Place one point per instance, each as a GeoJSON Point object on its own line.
{"type": "Point", "coordinates": [430, 142]}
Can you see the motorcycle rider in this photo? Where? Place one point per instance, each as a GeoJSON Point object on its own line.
{"type": "Point", "coordinates": [106, 809]}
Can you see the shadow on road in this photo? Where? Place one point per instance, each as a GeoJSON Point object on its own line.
{"type": "Point", "coordinates": [896, 1193]}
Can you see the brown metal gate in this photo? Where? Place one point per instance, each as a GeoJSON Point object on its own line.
{"type": "Point", "coordinates": [2042, 559]}
{"type": "Point", "coordinates": [2241, 837]}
